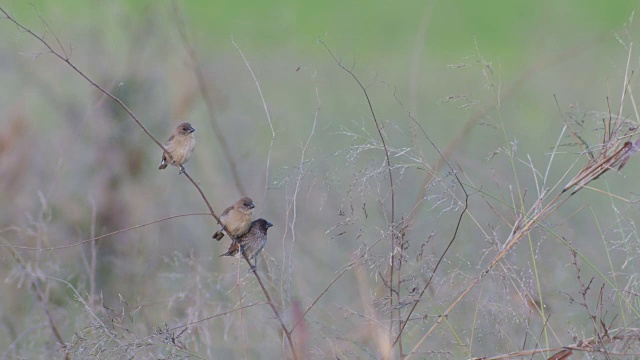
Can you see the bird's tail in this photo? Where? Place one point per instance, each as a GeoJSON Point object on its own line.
{"type": "Point", "coordinates": [233, 250]}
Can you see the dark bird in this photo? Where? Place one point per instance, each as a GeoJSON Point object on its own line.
{"type": "Point", "coordinates": [252, 242]}
{"type": "Point", "coordinates": [236, 218]}
{"type": "Point", "coordinates": [180, 145]}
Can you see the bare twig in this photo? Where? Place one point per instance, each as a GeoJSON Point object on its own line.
{"type": "Point", "coordinates": [204, 91]}
{"type": "Point", "coordinates": [403, 324]}
{"type": "Point", "coordinates": [53, 248]}
{"type": "Point", "coordinates": [273, 134]}
{"type": "Point", "coordinates": [345, 268]}
{"type": "Point", "coordinates": [273, 307]}
{"type": "Point", "coordinates": [94, 255]}
{"type": "Point", "coordinates": [268, 114]}
{"type": "Point", "coordinates": [240, 298]}
{"type": "Point", "coordinates": [293, 205]}
{"type": "Point", "coordinates": [583, 345]}
{"type": "Point", "coordinates": [394, 246]}
{"type": "Point", "coordinates": [209, 318]}
{"type": "Point", "coordinates": [584, 289]}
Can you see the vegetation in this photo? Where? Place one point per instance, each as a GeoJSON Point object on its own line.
{"type": "Point", "coordinates": [478, 209]}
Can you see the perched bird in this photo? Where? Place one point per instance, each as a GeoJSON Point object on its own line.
{"type": "Point", "coordinates": [236, 218]}
{"type": "Point", "coordinates": [180, 145]}
{"type": "Point", "coordinates": [252, 242]}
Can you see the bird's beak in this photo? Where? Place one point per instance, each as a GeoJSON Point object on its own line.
{"type": "Point", "coordinates": [191, 129]}
{"type": "Point", "coordinates": [252, 205]}
{"type": "Point", "coordinates": [269, 224]}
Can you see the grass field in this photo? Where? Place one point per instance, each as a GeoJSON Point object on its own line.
{"type": "Point", "coordinates": [448, 186]}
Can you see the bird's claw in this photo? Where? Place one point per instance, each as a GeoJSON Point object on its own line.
{"type": "Point", "coordinates": [181, 170]}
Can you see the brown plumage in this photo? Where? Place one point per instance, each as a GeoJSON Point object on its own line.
{"type": "Point", "coordinates": [252, 242]}
{"type": "Point", "coordinates": [236, 218]}
{"type": "Point", "coordinates": [180, 145]}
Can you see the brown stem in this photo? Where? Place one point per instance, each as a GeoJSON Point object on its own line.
{"type": "Point", "coordinates": [393, 207]}
{"type": "Point", "coordinates": [204, 91]}
{"type": "Point", "coordinates": [101, 236]}
{"type": "Point", "coordinates": [273, 307]}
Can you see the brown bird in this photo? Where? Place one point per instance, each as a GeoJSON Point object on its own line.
{"type": "Point", "coordinates": [236, 218]}
{"type": "Point", "coordinates": [252, 242]}
{"type": "Point", "coordinates": [180, 145]}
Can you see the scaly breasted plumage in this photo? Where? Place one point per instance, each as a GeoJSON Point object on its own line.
{"type": "Point", "coordinates": [252, 242]}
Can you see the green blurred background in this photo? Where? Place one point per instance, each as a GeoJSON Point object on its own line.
{"type": "Point", "coordinates": [479, 75]}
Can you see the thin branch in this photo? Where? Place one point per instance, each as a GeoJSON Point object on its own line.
{"type": "Point", "coordinates": [391, 188]}
{"type": "Point", "coordinates": [273, 307]}
{"type": "Point", "coordinates": [273, 134]}
{"type": "Point", "coordinates": [458, 223]}
{"type": "Point", "coordinates": [53, 248]}
{"type": "Point", "coordinates": [293, 205]}
{"type": "Point", "coordinates": [582, 345]}
{"type": "Point", "coordinates": [266, 111]}
{"type": "Point", "coordinates": [240, 298]}
{"type": "Point", "coordinates": [94, 255]}
{"type": "Point", "coordinates": [346, 267]}
{"type": "Point", "coordinates": [204, 92]}
{"type": "Point", "coordinates": [627, 80]}
{"type": "Point", "coordinates": [208, 318]}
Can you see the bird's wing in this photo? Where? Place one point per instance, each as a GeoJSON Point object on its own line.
{"type": "Point", "coordinates": [169, 139]}
{"type": "Point", "coordinates": [226, 211]}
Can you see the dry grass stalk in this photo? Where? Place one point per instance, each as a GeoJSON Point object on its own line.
{"type": "Point", "coordinates": [606, 159]}
{"type": "Point", "coordinates": [621, 340]}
